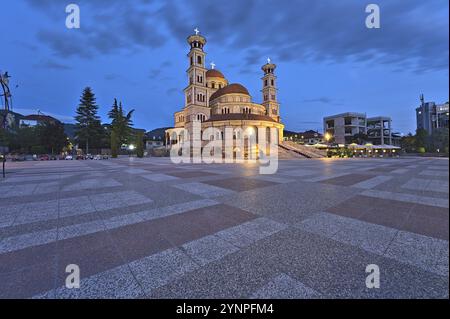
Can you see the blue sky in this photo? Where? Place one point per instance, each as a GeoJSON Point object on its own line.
{"type": "Point", "coordinates": [328, 61]}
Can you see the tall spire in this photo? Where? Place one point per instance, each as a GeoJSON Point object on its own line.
{"type": "Point", "coordinates": [269, 90]}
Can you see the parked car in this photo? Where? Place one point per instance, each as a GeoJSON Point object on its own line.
{"type": "Point", "coordinates": [105, 157]}
{"type": "Point", "coordinates": [97, 157]}
{"type": "Point", "coordinates": [69, 157]}
{"type": "Point", "coordinates": [44, 158]}
{"type": "Point", "coordinates": [53, 157]}
{"type": "Point", "coordinates": [18, 158]}
{"type": "Point", "coordinates": [80, 157]}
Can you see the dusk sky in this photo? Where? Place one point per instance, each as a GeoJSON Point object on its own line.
{"type": "Point", "coordinates": [328, 62]}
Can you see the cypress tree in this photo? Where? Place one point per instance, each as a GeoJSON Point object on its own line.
{"type": "Point", "coordinates": [88, 127]}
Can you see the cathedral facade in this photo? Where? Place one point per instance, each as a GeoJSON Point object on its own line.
{"type": "Point", "coordinates": [210, 101]}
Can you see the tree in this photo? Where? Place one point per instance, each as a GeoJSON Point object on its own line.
{"type": "Point", "coordinates": [52, 136]}
{"type": "Point", "coordinates": [26, 140]}
{"type": "Point", "coordinates": [408, 143]}
{"type": "Point", "coordinates": [438, 140]}
{"type": "Point", "coordinates": [140, 144]}
{"type": "Point", "coordinates": [114, 145]}
{"type": "Point", "coordinates": [89, 130]}
{"type": "Point", "coordinates": [121, 123]}
{"type": "Point", "coordinates": [421, 138]}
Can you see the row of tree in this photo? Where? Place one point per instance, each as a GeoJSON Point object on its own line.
{"type": "Point", "coordinates": [48, 137]}
{"type": "Point", "coordinates": [422, 142]}
{"type": "Point", "coordinates": [44, 138]}
{"type": "Point", "coordinates": [91, 134]}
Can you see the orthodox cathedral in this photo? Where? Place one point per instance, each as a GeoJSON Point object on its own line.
{"type": "Point", "coordinates": [209, 99]}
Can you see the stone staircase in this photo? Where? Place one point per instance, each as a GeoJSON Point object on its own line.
{"type": "Point", "coordinates": [305, 151]}
{"type": "Point", "coordinates": [286, 153]}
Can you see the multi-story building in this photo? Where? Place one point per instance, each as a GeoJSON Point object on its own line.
{"type": "Point", "coordinates": [342, 127]}
{"type": "Point", "coordinates": [431, 116]}
{"type": "Point", "coordinates": [379, 130]}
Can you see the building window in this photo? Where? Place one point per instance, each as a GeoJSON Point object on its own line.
{"type": "Point", "coordinates": [192, 60]}
{"type": "Point", "coordinates": [213, 85]}
{"type": "Point", "coordinates": [265, 82]}
{"type": "Point", "coordinates": [272, 82]}
{"type": "Point", "coordinates": [201, 117]}
{"type": "Point", "coordinates": [200, 97]}
{"type": "Point", "coordinates": [199, 60]}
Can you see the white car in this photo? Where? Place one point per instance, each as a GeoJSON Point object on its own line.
{"type": "Point", "coordinates": [97, 157]}
{"type": "Point", "coordinates": [69, 157]}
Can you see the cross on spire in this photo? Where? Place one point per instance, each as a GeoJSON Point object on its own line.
{"type": "Point", "coordinates": [212, 65]}
{"type": "Point", "coordinates": [197, 31]}
{"type": "Point", "coordinates": [268, 60]}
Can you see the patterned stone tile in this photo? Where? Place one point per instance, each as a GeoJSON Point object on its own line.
{"type": "Point", "coordinates": [285, 287]}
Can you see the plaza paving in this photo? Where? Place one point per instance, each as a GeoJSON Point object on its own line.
{"type": "Point", "coordinates": [147, 228]}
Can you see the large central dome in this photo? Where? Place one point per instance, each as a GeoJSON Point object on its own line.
{"type": "Point", "coordinates": [213, 73]}
{"type": "Point", "coordinates": [229, 89]}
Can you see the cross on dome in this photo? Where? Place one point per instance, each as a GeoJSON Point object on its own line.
{"type": "Point", "coordinates": [197, 31]}
{"type": "Point", "coordinates": [268, 60]}
{"type": "Point", "coordinates": [212, 65]}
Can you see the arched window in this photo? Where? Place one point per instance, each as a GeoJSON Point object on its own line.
{"type": "Point", "coordinates": [199, 59]}
{"type": "Point", "coordinates": [201, 117]}
{"type": "Point", "coordinates": [247, 110]}
{"type": "Point", "coordinates": [265, 82]}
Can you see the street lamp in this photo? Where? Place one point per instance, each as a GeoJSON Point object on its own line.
{"type": "Point", "coordinates": [328, 137]}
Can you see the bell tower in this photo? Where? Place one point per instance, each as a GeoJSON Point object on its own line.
{"type": "Point", "coordinates": [269, 91]}
{"type": "Point", "coordinates": [195, 92]}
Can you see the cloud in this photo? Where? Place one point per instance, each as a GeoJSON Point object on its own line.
{"type": "Point", "coordinates": [326, 31]}
{"type": "Point", "coordinates": [112, 76]}
{"type": "Point", "coordinates": [52, 64]}
{"type": "Point", "coordinates": [321, 31]}
{"type": "Point", "coordinates": [173, 91]}
{"type": "Point", "coordinates": [323, 100]}
{"type": "Point", "coordinates": [103, 30]}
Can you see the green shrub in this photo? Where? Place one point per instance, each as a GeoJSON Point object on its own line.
{"type": "Point", "coordinates": [140, 144]}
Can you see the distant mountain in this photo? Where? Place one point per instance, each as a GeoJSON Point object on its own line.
{"type": "Point", "coordinates": [157, 134]}
{"type": "Point", "coordinates": [69, 129]}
